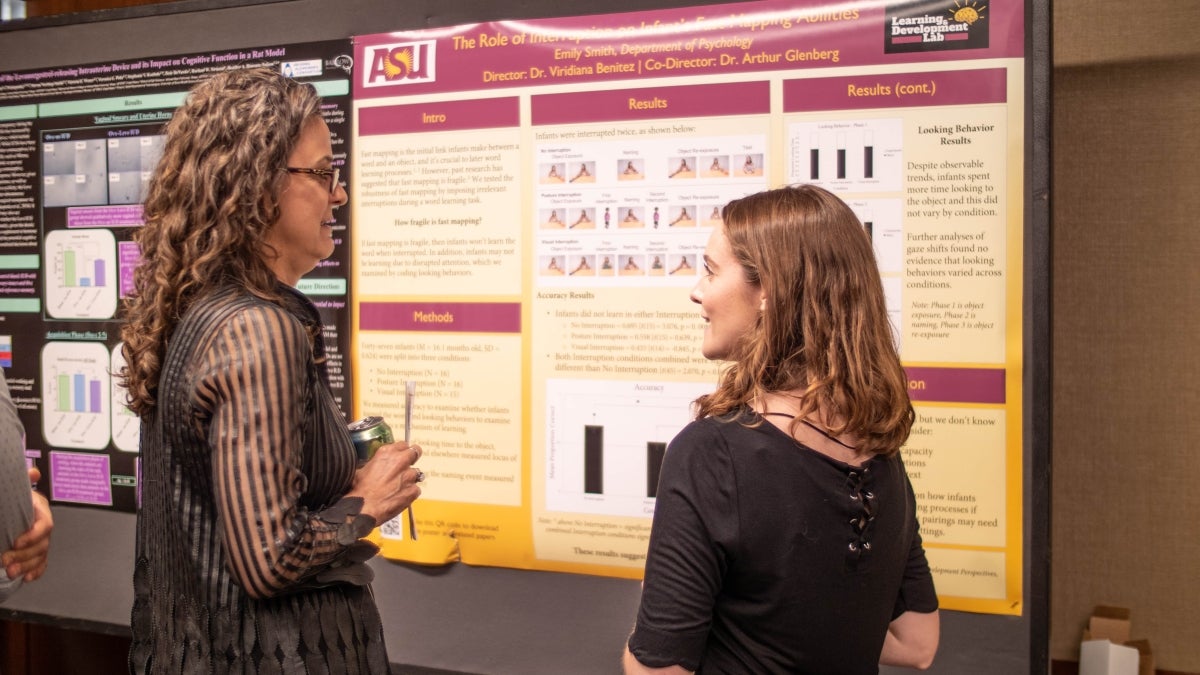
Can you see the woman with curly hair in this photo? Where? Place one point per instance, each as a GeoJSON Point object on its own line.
{"type": "Point", "coordinates": [785, 536]}
{"type": "Point", "coordinates": [250, 557]}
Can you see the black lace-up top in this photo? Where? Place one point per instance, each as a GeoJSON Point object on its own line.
{"type": "Point", "coordinates": [769, 557]}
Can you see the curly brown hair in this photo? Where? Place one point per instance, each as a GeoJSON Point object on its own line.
{"type": "Point", "coordinates": [211, 200]}
{"type": "Point", "coordinates": [824, 331]}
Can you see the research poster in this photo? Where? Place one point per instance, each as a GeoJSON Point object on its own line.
{"type": "Point", "coordinates": [532, 201]}
{"type": "Point", "coordinates": [77, 147]}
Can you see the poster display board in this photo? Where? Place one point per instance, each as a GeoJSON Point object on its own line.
{"type": "Point", "coordinates": [77, 146]}
{"type": "Point", "coordinates": [531, 204]}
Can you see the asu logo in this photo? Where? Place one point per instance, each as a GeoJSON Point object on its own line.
{"type": "Point", "coordinates": [402, 63]}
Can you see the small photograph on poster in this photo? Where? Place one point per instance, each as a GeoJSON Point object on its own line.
{"type": "Point", "coordinates": [551, 219]}
{"type": "Point", "coordinates": [631, 217]}
{"type": "Point", "coordinates": [607, 268]}
{"type": "Point", "coordinates": [685, 216]}
{"type": "Point", "coordinates": [717, 166]}
{"type": "Point", "coordinates": [752, 165]}
{"type": "Point", "coordinates": [682, 264]}
{"type": "Point", "coordinates": [657, 266]}
{"type": "Point", "coordinates": [582, 172]}
{"type": "Point", "coordinates": [712, 215]}
{"type": "Point", "coordinates": [631, 169]}
{"type": "Point", "coordinates": [130, 162]}
{"type": "Point", "coordinates": [74, 172]}
{"type": "Point", "coordinates": [632, 265]}
{"type": "Point", "coordinates": [684, 167]}
{"type": "Point", "coordinates": [551, 265]}
{"type": "Point", "coordinates": [552, 172]}
{"type": "Point", "coordinates": [582, 265]}
{"type": "Point", "coordinates": [581, 219]}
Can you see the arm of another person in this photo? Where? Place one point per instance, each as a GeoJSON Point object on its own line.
{"type": "Point", "coordinates": [254, 377]}
{"type": "Point", "coordinates": [25, 520]}
{"type": "Point", "coordinates": [30, 553]}
{"type": "Point", "coordinates": [23, 539]}
{"type": "Point", "coordinates": [912, 640]}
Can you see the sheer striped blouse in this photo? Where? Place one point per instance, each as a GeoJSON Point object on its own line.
{"type": "Point", "coordinates": [245, 461]}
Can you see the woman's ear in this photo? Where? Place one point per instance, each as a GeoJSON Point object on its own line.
{"type": "Point", "coordinates": [762, 305]}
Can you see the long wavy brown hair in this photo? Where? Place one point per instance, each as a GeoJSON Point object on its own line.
{"type": "Point", "coordinates": [211, 200]}
{"type": "Point", "coordinates": [824, 333]}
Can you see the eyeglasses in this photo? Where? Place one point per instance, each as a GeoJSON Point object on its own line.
{"type": "Point", "coordinates": [329, 174]}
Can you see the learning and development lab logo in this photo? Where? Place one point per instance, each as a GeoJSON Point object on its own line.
{"type": "Point", "coordinates": [935, 25]}
{"type": "Point", "coordinates": [400, 63]}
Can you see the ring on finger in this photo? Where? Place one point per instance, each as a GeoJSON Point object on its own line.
{"type": "Point", "coordinates": [420, 475]}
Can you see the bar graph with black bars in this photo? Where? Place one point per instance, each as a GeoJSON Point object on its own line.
{"type": "Point", "coordinates": [851, 155]}
{"type": "Point", "coordinates": [606, 440]}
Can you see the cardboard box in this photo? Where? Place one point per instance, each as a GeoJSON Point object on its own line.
{"type": "Point", "coordinates": [1145, 656]}
{"type": "Point", "coordinates": [1101, 657]}
{"type": "Point", "coordinates": [1109, 623]}
{"type": "Point", "coordinates": [1107, 648]}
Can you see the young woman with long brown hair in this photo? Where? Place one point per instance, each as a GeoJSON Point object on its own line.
{"type": "Point", "coordinates": [785, 536]}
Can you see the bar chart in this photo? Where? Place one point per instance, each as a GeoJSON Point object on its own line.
{"type": "Point", "coordinates": [848, 155]}
{"type": "Point", "coordinates": [80, 266]}
{"type": "Point", "coordinates": [75, 395]}
{"type": "Point", "coordinates": [606, 442]}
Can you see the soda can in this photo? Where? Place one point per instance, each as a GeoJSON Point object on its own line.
{"type": "Point", "coordinates": [368, 434]}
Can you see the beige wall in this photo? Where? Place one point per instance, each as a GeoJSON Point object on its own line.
{"type": "Point", "coordinates": [1126, 293]}
{"type": "Point", "coordinates": [1088, 32]}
